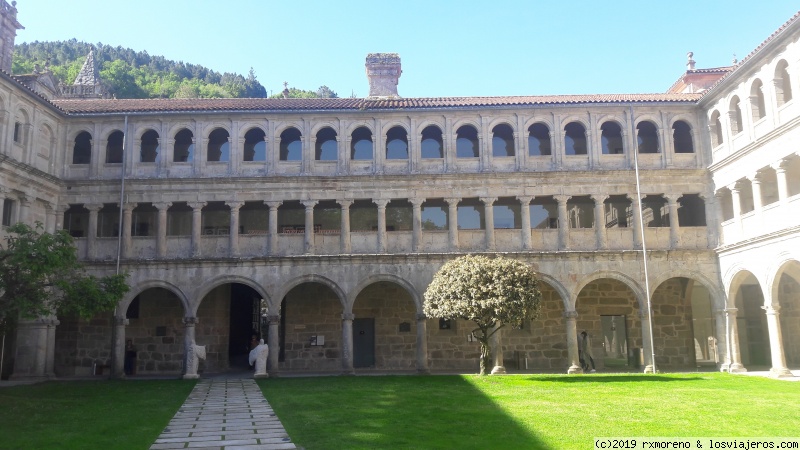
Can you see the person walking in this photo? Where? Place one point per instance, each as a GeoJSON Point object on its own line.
{"type": "Point", "coordinates": [585, 351]}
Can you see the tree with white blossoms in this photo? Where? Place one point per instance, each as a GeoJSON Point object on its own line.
{"type": "Point", "coordinates": [492, 292]}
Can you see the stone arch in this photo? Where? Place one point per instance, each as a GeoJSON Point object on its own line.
{"type": "Point", "coordinates": [427, 123]}
{"type": "Point", "coordinates": [247, 126]}
{"type": "Point", "coordinates": [395, 123]}
{"type": "Point", "coordinates": [309, 278]}
{"type": "Point", "coordinates": [575, 119]}
{"type": "Point", "coordinates": [353, 126]}
{"type": "Point", "coordinates": [634, 286]}
{"type": "Point", "coordinates": [502, 121]}
{"type": "Point", "coordinates": [108, 130]}
{"type": "Point", "coordinates": [464, 121]}
{"type": "Point", "coordinates": [201, 292]}
{"type": "Point", "coordinates": [748, 299]}
{"type": "Point", "coordinates": [784, 289]}
{"type": "Point", "coordinates": [214, 125]}
{"type": "Point", "coordinates": [142, 128]}
{"type": "Point", "coordinates": [177, 127]}
{"type": "Point", "coordinates": [782, 262]}
{"type": "Point", "coordinates": [534, 120]}
{"type": "Point", "coordinates": [123, 304]}
{"type": "Point", "coordinates": [375, 278]}
{"type": "Point", "coordinates": [713, 287]}
{"type": "Point", "coordinates": [75, 132]}
{"type": "Point", "coordinates": [733, 279]}
{"type": "Point", "coordinates": [562, 291]}
{"type": "Point", "coordinates": [318, 126]}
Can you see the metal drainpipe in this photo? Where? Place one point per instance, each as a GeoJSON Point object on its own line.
{"type": "Point", "coordinates": [119, 244]}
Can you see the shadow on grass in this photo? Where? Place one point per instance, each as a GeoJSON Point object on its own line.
{"type": "Point", "coordinates": [391, 412]}
{"type": "Point", "coordinates": [610, 378]}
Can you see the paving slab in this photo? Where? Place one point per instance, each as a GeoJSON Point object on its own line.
{"type": "Point", "coordinates": [225, 414]}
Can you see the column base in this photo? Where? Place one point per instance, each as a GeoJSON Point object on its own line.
{"type": "Point", "coordinates": [498, 370]}
{"type": "Point", "coordinates": [190, 376]}
{"type": "Point", "coordinates": [32, 378]}
{"type": "Point", "coordinates": [423, 371]}
{"type": "Point", "coordinates": [575, 370]}
{"type": "Point", "coordinates": [348, 373]}
{"type": "Point", "coordinates": [273, 373]}
{"type": "Point", "coordinates": [259, 376]}
{"type": "Point", "coordinates": [736, 368]}
{"type": "Point", "coordinates": [724, 367]}
{"type": "Point", "coordinates": [780, 372]}
{"type": "Point", "coordinates": [649, 369]}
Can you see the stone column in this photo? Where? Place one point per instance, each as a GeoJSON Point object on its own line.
{"type": "Point", "coordinates": [24, 208]}
{"type": "Point", "coordinates": [737, 206]}
{"type": "Point", "coordinates": [233, 242]}
{"type": "Point", "coordinates": [273, 340]}
{"type": "Point", "coordinates": [381, 224]}
{"type": "Point", "coordinates": [563, 221]}
{"type": "Point", "coordinates": [127, 212]}
{"type": "Point", "coordinates": [189, 324]}
{"type": "Point", "coordinates": [496, 343]}
{"type": "Point", "coordinates": [50, 218]}
{"type": "Point", "coordinates": [91, 233]}
{"type": "Point", "coordinates": [344, 234]}
{"type": "Point", "coordinates": [118, 349]}
{"type": "Point", "coordinates": [755, 183]}
{"type": "Point", "coordinates": [572, 342]}
{"type": "Point", "coordinates": [600, 221]}
{"type": "Point", "coordinates": [416, 223]}
{"type": "Point", "coordinates": [637, 220]}
{"type": "Point", "coordinates": [422, 344]}
{"type": "Point", "coordinates": [452, 216]}
{"type": "Point", "coordinates": [525, 212]}
{"type": "Point", "coordinates": [778, 369]}
{"type": "Point", "coordinates": [272, 244]}
{"type": "Point", "coordinates": [674, 232]}
{"type": "Point", "coordinates": [33, 357]}
{"type": "Point", "coordinates": [647, 343]}
{"type": "Point", "coordinates": [308, 241]}
{"type": "Point", "coordinates": [732, 327]}
{"type": "Point", "coordinates": [50, 358]}
{"type": "Point", "coordinates": [161, 238]}
{"type": "Point", "coordinates": [488, 216]}
{"type": "Point", "coordinates": [59, 220]}
{"type": "Point", "coordinates": [197, 224]}
{"type": "Point", "coordinates": [783, 182]}
{"type": "Point", "coordinates": [347, 344]}
{"type": "Point", "coordinates": [723, 356]}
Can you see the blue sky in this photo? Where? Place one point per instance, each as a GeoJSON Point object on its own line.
{"type": "Point", "coordinates": [448, 48]}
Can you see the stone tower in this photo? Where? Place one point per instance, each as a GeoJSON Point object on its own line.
{"type": "Point", "coordinates": [87, 84]}
{"type": "Point", "coordinates": [383, 72]}
{"type": "Point", "coordinates": [8, 31]}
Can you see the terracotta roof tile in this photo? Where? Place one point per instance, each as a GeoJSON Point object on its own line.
{"type": "Point", "coordinates": [99, 106]}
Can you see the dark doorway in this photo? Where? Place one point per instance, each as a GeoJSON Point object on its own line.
{"type": "Point", "coordinates": [245, 320]}
{"type": "Point", "coordinates": [752, 324]}
{"type": "Point", "coordinates": [615, 341]}
{"type": "Point", "coordinates": [364, 342]}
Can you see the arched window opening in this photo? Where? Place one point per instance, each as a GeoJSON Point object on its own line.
{"type": "Point", "coordinates": [580, 210]}
{"type": "Point", "coordinates": [655, 212]}
{"type": "Point", "coordinates": [144, 220]}
{"type": "Point", "coordinates": [255, 147]}
{"type": "Point", "coordinates": [539, 140]}
{"type": "Point", "coordinates": [399, 215]}
{"type": "Point", "coordinates": [768, 178]}
{"type": "Point", "coordinates": [502, 141]}
{"type": "Point", "coordinates": [218, 146]}
{"type": "Point", "coordinates": [544, 213]}
{"type": "Point", "coordinates": [326, 147]}
{"type": "Point", "coordinates": [82, 150]}
{"type": "Point", "coordinates": [507, 213]}
{"type": "Point", "coordinates": [735, 113]}
{"type": "Point", "coordinates": [184, 146]}
{"type": "Point", "coordinates": [397, 143]}
{"type": "Point", "coordinates": [467, 142]}
{"type": "Point", "coordinates": [691, 211]}
{"type": "Point", "coordinates": [725, 203]}
{"type": "Point", "coordinates": [783, 85]}
{"type": "Point", "coordinates": [746, 203]}
{"type": "Point", "coordinates": [647, 136]}
{"type": "Point", "coordinates": [793, 176]}
{"type": "Point", "coordinates": [574, 139]}
{"type": "Point", "coordinates": [76, 220]}
{"type": "Point", "coordinates": [716, 129]}
{"type": "Point", "coordinates": [179, 219]}
{"type": "Point", "coordinates": [611, 138]}
{"type": "Point", "coordinates": [432, 147]}
{"type": "Point", "coordinates": [470, 214]}
{"type": "Point", "coordinates": [757, 104]}
{"type": "Point", "coordinates": [682, 137]}
{"type": "Point", "coordinates": [434, 215]}
{"type": "Point", "coordinates": [363, 216]}
{"type": "Point", "coordinates": [148, 152]}
{"type": "Point", "coordinates": [618, 211]}
{"type": "Point", "coordinates": [361, 145]}
{"type": "Point", "coordinates": [114, 148]}
{"type": "Point", "coordinates": [291, 148]}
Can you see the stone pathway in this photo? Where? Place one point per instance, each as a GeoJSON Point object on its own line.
{"type": "Point", "coordinates": [225, 414]}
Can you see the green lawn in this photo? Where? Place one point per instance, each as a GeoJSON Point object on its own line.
{"type": "Point", "coordinates": [88, 414]}
{"type": "Point", "coordinates": [527, 411]}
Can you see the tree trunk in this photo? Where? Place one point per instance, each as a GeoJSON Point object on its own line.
{"type": "Point", "coordinates": [486, 356]}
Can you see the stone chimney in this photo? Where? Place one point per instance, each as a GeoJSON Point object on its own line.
{"type": "Point", "coordinates": [689, 61]}
{"type": "Point", "coordinates": [383, 72]}
{"type": "Point", "coordinates": [8, 31]}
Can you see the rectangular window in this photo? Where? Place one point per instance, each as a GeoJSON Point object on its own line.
{"type": "Point", "coordinates": [179, 221]}
{"type": "Point", "coordinates": [8, 210]}
{"type": "Point", "coordinates": [108, 221]}
{"type": "Point", "coordinates": [18, 133]}
{"type": "Point", "coordinates": [434, 215]}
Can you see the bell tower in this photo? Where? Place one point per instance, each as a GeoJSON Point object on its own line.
{"type": "Point", "coordinates": [8, 31]}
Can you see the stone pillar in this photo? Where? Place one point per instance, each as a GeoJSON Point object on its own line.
{"type": "Point", "coordinates": [755, 183]}
{"type": "Point", "coordinates": [416, 223]}
{"type": "Point", "coordinates": [273, 340]}
{"type": "Point", "coordinates": [674, 232]}
{"type": "Point", "coordinates": [161, 238]}
{"type": "Point", "coordinates": [734, 356]}
{"type": "Point", "coordinates": [778, 369]}
{"type": "Point", "coordinates": [488, 216]}
{"type": "Point", "coordinates": [600, 221]}
{"type": "Point", "coordinates": [24, 208]}
{"type": "Point", "coordinates": [197, 224]}
{"type": "Point", "coordinates": [50, 358]}
{"type": "Point", "coordinates": [50, 218]}
{"type": "Point", "coordinates": [647, 343]}
{"type": "Point", "coordinates": [783, 182]}
{"type": "Point", "coordinates": [422, 344]}
{"type": "Point", "coordinates": [272, 244]}
{"type": "Point", "coordinates": [308, 238]}
{"type": "Point", "coordinates": [496, 343]}
{"type": "Point", "coordinates": [636, 205]}
{"type": "Point", "coordinates": [34, 349]}
{"type": "Point", "coordinates": [563, 221]}
{"type": "Point", "coordinates": [127, 212]}
{"type": "Point", "coordinates": [381, 224]}
{"type": "Point", "coordinates": [118, 348]}
{"type": "Point", "coordinates": [344, 234]}
{"type": "Point", "coordinates": [233, 242]}
{"type": "Point", "coordinates": [737, 206]}
{"type": "Point", "coordinates": [572, 342]}
{"type": "Point", "coordinates": [189, 324]}
{"type": "Point", "coordinates": [452, 217]}
{"type": "Point", "coordinates": [525, 212]}
{"type": "Point", "coordinates": [723, 356]}
{"type": "Point", "coordinates": [59, 220]}
{"type": "Point", "coordinates": [347, 344]}
{"type": "Point", "coordinates": [91, 233]}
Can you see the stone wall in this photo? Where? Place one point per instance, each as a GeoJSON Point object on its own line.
{"type": "Point", "coordinates": [81, 345]}
{"type": "Point", "coordinates": [672, 325]}
{"type": "Point", "coordinates": [312, 309]}
{"type": "Point", "coordinates": [390, 305]}
{"type": "Point", "coordinates": [542, 341]}
{"type": "Point", "coordinates": [213, 328]}
{"type": "Point", "coordinates": [450, 348]}
{"type": "Point", "coordinates": [158, 333]}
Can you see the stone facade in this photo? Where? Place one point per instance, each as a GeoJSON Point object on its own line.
{"type": "Point", "coordinates": [318, 225]}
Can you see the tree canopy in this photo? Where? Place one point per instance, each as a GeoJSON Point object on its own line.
{"type": "Point", "coordinates": [491, 292]}
{"type": "Point", "coordinates": [40, 275]}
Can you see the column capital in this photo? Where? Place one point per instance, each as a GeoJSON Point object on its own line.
{"type": "Point", "coordinates": [190, 321]}
{"type": "Point", "coordinates": [129, 207]}
{"type": "Point", "coordinates": [273, 204]}
{"type": "Point", "coordinates": [599, 198]}
{"type": "Point", "coordinates": [93, 207]}
{"type": "Point", "coordinates": [121, 321]}
{"type": "Point", "coordinates": [309, 203]}
{"type": "Point", "coordinates": [348, 316]}
{"type": "Point", "coordinates": [730, 311]}
{"type": "Point", "coordinates": [274, 318]}
{"type": "Point", "coordinates": [61, 209]}
{"type": "Point", "coordinates": [197, 205]}
{"type": "Point", "coordinates": [561, 198]}
{"type": "Point", "coordinates": [632, 197]}
{"type": "Point", "coordinates": [234, 204]}
{"type": "Point", "coordinates": [735, 187]}
{"type": "Point", "coordinates": [421, 317]}
{"type": "Point", "coordinates": [452, 201]}
{"type": "Point", "coordinates": [781, 165]}
{"type": "Point", "coordinates": [345, 203]}
{"type": "Point", "coordinates": [672, 198]}
{"type": "Point", "coordinates": [162, 205]}
{"type": "Point", "coordinates": [416, 202]}
{"type": "Point", "coordinates": [488, 201]}
{"type": "Point", "coordinates": [571, 314]}
{"type": "Point", "coordinates": [772, 310]}
{"type": "Point", "coordinates": [525, 199]}
{"type": "Point", "coordinates": [381, 202]}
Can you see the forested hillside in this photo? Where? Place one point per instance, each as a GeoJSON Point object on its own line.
{"type": "Point", "coordinates": [133, 74]}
